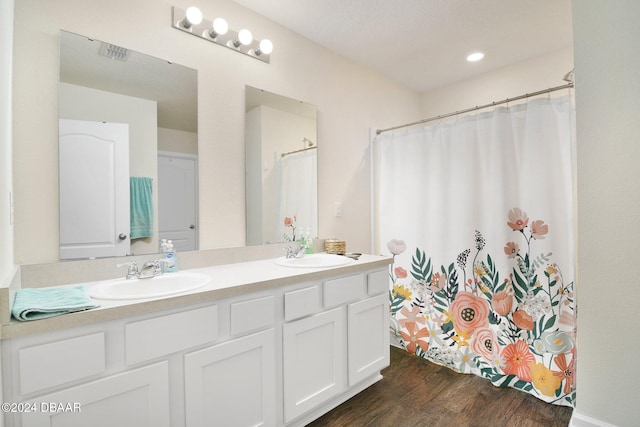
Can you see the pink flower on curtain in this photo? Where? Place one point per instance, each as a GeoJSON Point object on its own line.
{"type": "Point", "coordinates": [484, 343]}
{"type": "Point", "coordinates": [517, 358]}
{"type": "Point", "coordinates": [539, 229]}
{"type": "Point", "coordinates": [438, 281]}
{"type": "Point", "coordinates": [502, 302]}
{"type": "Point", "coordinates": [413, 316]}
{"type": "Point", "coordinates": [470, 312]}
{"type": "Point", "coordinates": [523, 320]}
{"type": "Point", "coordinates": [396, 247]}
{"type": "Point", "coordinates": [566, 371]}
{"type": "Point", "coordinates": [511, 249]}
{"type": "Point", "coordinates": [401, 273]}
{"type": "Point", "coordinates": [518, 219]}
{"type": "Point", "coordinates": [414, 337]}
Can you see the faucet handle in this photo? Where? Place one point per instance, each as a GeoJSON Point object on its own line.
{"type": "Point", "coordinates": [291, 252]}
{"type": "Point", "coordinates": [130, 264]}
{"type": "Point", "coordinates": [133, 268]}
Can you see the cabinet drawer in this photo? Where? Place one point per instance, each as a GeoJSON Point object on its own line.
{"type": "Point", "coordinates": [302, 302]}
{"type": "Point", "coordinates": [378, 282]}
{"type": "Point", "coordinates": [247, 316]}
{"type": "Point", "coordinates": [344, 290]}
{"type": "Point", "coordinates": [151, 338]}
{"type": "Point", "coordinates": [60, 362]}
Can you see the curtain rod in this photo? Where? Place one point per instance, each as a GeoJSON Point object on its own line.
{"type": "Point", "coordinates": [468, 110]}
{"type": "Point", "coordinates": [297, 151]}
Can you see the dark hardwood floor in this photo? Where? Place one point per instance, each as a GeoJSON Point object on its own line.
{"type": "Point", "coordinates": [417, 393]}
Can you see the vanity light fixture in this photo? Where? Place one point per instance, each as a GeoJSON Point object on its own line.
{"type": "Point", "coordinates": [218, 32]}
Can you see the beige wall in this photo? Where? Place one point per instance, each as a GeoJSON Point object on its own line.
{"type": "Point", "coordinates": [525, 77]}
{"type": "Point", "coordinates": [177, 141]}
{"type": "Point", "coordinates": [606, 43]}
{"type": "Point", "coordinates": [350, 100]}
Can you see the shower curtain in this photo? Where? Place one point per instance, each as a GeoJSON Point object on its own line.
{"type": "Point", "coordinates": [298, 195]}
{"type": "Point", "coordinates": [478, 216]}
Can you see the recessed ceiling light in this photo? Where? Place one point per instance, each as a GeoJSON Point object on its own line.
{"type": "Point", "coordinates": [476, 56]}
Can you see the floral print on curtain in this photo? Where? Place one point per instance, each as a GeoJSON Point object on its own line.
{"type": "Point", "coordinates": [515, 328]}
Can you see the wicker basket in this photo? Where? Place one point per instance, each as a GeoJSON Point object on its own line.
{"type": "Point", "coordinates": [335, 246]}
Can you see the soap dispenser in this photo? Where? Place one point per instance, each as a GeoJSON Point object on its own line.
{"type": "Point", "coordinates": [170, 263]}
{"type": "Point", "coordinates": [308, 241]}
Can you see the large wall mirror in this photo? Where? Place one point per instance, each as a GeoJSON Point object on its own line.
{"type": "Point", "coordinates": [128, 151]}
{"type": "Point", "coordinates": [281, 168]}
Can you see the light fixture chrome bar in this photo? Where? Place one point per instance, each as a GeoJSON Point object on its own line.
{"type": "Point", "coordinates": [203, 30]}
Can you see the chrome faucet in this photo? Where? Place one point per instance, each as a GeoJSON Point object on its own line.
{"type": "Point", "coordinates": [292, 252]}
{"type": "Point", "coordinates": [149, 269]}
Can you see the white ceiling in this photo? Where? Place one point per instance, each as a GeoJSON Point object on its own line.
{"type": "Point", "coordinates": [423, 44]}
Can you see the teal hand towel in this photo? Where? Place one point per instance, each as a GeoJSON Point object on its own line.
{"type": "Point", "coordinates": [141, 207]}
{"type": "Point", "coordinates": [40, 303]}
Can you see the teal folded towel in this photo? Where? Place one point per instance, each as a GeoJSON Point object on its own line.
{"type": "Point", "coordinates": [39, 303]}
{"type": "Point", "coordinates": [141, 207]}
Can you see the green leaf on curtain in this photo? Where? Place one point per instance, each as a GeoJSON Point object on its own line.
{"type": "Point", "coordinates": [494, 319]}
{"type": "Point", "coordinates": [502, 380]}
{"type": "Point", "coordinates": [532, 284]}
{"type": "Point", "coordinates": [550, 323]}
{"type": "Point", "coordinates": [519, 286]}
{"type": "Point", "coordinates": [452, 285]}
{"type": "Point", "coordinates": [447, 327]}
{"type": "Point", "coordinates": [441, 303]}
{"type": "Point", "coordinates": [523, 385]}
{"type": "Point", "coordinates": [419, 270]}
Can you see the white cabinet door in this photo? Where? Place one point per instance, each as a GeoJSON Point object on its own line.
{"type": "Point", "coordinates": [136, 398]}
{"type": "Point", "coordinates": [368, 337]}
{"type": "Point", "coordinates": [233, 383]}
{"type": "Point", "coordinates": [313, 361]}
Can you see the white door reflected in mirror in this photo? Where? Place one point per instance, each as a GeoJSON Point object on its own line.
{"type": "Point", "coordinates": [94, 189]}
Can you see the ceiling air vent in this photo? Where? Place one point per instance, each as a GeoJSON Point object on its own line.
{"type": "Point", "coordinates": [114, 52]}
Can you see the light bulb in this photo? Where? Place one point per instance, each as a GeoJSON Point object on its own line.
{"type": "Point", "coordinates": [477, 56]}
{"type": "Point", "coordinates": [245, 37]}
{"type": "Point", "coordinates": [193, 16]}
{"type": "Point", "coordinates": [220, 27]}
{"type": "Point", "coordinates": [266, 47]}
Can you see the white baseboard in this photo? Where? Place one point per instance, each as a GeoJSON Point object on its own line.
{"type": "Point", "coordinates": [580, 420]}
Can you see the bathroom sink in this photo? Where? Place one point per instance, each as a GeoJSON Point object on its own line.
{"type": "Point", "coordinates": [166, 284]}
{"type": "Point", "coordinates": [314, 261]}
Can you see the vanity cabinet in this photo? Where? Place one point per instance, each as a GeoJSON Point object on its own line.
{"type": "Point", "coordinates": [331, 355]}
{"type": "Point", "coordinates": [280, 356]}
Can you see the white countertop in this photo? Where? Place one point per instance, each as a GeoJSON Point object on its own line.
{"type": "Point", "coordinates": [226, 281]}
